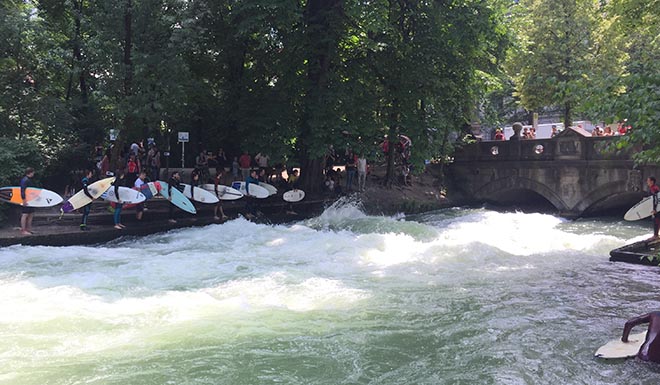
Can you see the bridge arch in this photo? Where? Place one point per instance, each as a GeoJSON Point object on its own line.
{"type": "Point", "coordinates": [616, 191]}
{"type": "Point", "coordinates": [513, 183]}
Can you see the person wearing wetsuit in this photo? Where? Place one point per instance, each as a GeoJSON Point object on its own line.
{"type": "Point", "coordinates": [249, 206]}
{"type": "Point", "coordinates": [653, 191]}
{"type": "Point", "coordinates": [650, 350]}
{"type": "Point", "coordinates": [26, 212]}
{"type": "Point", "coordinates": [219, 191]}
{"type": "Point", "coordinates": [173, 183]}
{"type": "Point", "coordinates": [88, 207]}
{"type": "Point", "coordinates": [120, 180]}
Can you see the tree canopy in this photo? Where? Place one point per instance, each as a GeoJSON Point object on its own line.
{"type": "Point", "coordinates": [290, 78]}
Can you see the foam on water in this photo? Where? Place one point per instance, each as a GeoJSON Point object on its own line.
{"type": "Point", "coordinates": [344, 273]}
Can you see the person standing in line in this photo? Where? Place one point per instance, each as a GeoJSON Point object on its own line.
{"type": "Point", "coordinates": [202, 164]}
{"type": "Point", "coordinates": [653, 191]}
{"type": "Point", "coordinates": [249, 206]}
{"type": "Point", "coordinates": [173, 183]}
{"type": "Point", "coordinates": [219, 191]}
{"type": "Point", "coordinates": [194, 182]}
{"type": "Point", "coordinates": [120, 180]}
{"type": "Point", "coordinates": [362, 172]}
{"type": "Point", "coordinates": [245, 161]}
{"type": "Point", "coordinates": [235, 168]}
{"type": "Point", "coordinates": [350, 170]}
{"type": "Point", "coordinates": [132, 169]}
{"type": "Point", "coordinates": [139, 182]}
{"type": "Point", "coordinates": [86, 181]}
{"type": "Point", "coordinates": [26, 212]}
{"type": "Point", "coordinates": [154, 162]}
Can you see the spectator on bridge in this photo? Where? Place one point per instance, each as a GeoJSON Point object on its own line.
{"type": "Point", "coordinates": [499, 135]}
{"type": "Point", "coordinates": [608, 131]}
{"type": "Point", "coordinates": [554, 131]}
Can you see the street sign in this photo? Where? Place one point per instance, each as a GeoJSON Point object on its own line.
{"type": "Point", "coordinates": [184, 137]}
{"type": "Point", "coordinates": [113, 134]}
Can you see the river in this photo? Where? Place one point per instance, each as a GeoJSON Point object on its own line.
{"type": "Point", "coordinates": [456, 296]}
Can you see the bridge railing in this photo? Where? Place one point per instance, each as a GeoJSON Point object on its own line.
{"type": "Point", "coordinates": [560, 148]}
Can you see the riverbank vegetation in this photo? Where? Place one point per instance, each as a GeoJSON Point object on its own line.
{"type": "Point", "coordinates": [289, 78]}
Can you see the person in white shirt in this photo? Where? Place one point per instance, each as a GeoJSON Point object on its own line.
{"type": "Point", "coordinates": [362, 172]}
{"type": "Point", "coordinates": [138, 186]}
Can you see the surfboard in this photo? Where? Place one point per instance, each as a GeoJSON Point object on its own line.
{"type": "Point", "coordinates": [272, 190]}
{"type": "Point", "coordinates": [225, 193]}
{"type": "Point", "coordinates": [641, 210]}
{"type": "Point", "coordinates": [619, 349]}
{"type": "Point", "coordinates": [178, 199]}
{"type": "Point", "coordinates": [294, 196]}
{"type": "Point", "coordinates": [80, 199]}
{"type": "Point", "coordinates": [255, 190]}
{"type": "Point", "coordinates": [149, 190]}
{"type": "Point", "coordinates": [126, 195]}
{"type": "Point", "coordinates": [36, 197]}
{"type": "Point", "coordinates": [200, 195]}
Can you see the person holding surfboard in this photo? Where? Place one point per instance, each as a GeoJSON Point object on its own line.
{"type": "Point", "coordinates": [650, 350]}
{"type": "Point", "coordinates": [120, 181]}
{"type": "Point", "coordinates": [88, 207]}
{"type": "Point", "coordinates": [26, 212]}
{"type": "Point", "coordinates": [173, 182]}
{"type": "Point", "coordinates": [654, 190]}
{"type": "Point", "coordinates": [218, 193]}
{"type": "Point", "coordinates": [249, 205]}
{"type": "Point", "coordinates": [139, 182]}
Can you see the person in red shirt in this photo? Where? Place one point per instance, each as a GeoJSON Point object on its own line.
{"type": "Point", "coordinates": [654, 190]}
{"type": "Point", "coordinates": [244, 162]}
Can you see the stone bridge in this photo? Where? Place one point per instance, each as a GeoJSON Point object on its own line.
{"type": "Point", "coordinates": [577, 174]}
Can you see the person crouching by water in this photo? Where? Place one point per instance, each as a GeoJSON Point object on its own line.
{"type": "Point", "coordinates": [26, 212]}
{"type": "Point", "coordinates": [86, 180]}
{"type": "Point", "coordinates": [173, 182]}
{"type": "Point", "coordinates": [650, 350]}
{"type": "Point", "coordinates": [120, 181]}
{"type": "Point", "coordinates": [653, 191]}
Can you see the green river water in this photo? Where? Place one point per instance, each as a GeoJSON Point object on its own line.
{"type": "Point", "coordinates": [458, 296]}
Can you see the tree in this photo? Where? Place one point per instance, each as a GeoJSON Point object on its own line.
{"type": "Point", "coordinates": [634, 92]}
{"type": "Point", "coordinates": [558, 53]}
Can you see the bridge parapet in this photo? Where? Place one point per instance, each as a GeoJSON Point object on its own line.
{"type": "Point", "coordinates": [574, 172]}
{"type": "Point", "coordinates": [558, 148]}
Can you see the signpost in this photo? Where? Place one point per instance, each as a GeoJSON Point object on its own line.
{"type": "Point", "coordinates": [184, 137]}
{"type": "Point", "coordinates": [113, 134]}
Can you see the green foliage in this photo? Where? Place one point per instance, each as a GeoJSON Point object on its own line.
{"type": "Point", "coordinates": [15, 157]}
{"type": "Point", "coordinates": [560, 52]}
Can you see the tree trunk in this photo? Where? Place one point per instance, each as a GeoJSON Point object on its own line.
{"type": "Point", "coordinates": [322, 36]}
{"type": "Point", "coordinates": [390, 173]}
{"type": "Point", "coordinates": [128, 84]}
{"type": "Point", "coordinates": [567, 115]}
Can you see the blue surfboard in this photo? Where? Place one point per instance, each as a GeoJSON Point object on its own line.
{"type": "Point", "coordinates": [178, 199]}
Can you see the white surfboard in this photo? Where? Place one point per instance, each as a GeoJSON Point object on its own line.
{"type": "Point", "coordinates": [225, 193]}
{"type": "Point", "coordinates": [126, 195]}
{"type": "Point", "coordinates": [641, 210]}
{"type": "Point", "coordinates": [36, 197]}
{"type": "Point", "coordinates": [255, 190]}
{"type": "Point", "coordinates": [81, 199]}
{"type": "Point", "coordinates": [619, 349]}
{"type": "Point", "coordinates": [294, 196]}
{"type": "Point", "coordinates": [200, 195]}
{"type": "Point", "coordinates": [272, 190]}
